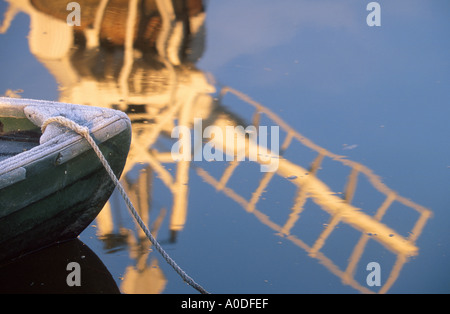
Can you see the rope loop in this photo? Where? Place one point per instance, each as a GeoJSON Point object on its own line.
{"type": "Point", "coordinates": [84, 131]}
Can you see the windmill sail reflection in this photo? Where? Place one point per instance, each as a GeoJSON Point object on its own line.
{"type": "Point", "coordinates": [139, 56]}
{"type": "Point", "coordinates": [340, 209]}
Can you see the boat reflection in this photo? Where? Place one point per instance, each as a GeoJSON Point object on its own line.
{"type": "Point", "coordinates": [139, 56]}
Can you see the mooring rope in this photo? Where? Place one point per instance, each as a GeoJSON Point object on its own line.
{"type": "Point", "coordinates": [84, 131]}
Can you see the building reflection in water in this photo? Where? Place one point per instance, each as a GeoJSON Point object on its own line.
{"type": "Point", "coordinates": [139, 56]}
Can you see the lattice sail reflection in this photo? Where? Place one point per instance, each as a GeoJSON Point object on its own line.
{"type": "Point", "coordinates": [308, 186]}
{"type": "Point", "coordinates": [340, 209]}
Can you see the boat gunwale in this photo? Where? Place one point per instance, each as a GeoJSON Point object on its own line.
{"type": "Point", "coordinates": [115, 124]}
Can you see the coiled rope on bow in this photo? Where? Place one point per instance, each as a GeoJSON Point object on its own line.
{"type": "Point", "coordinates": [84, 131]}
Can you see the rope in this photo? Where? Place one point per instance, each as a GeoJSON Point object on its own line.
{"type": "Point", "coordinates": [84, 131]}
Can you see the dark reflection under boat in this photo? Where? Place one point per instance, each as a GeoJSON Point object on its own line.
{"type": "Point", "coordinates": [145, 66]}
{"type": "Point", "coordinates": [45, 271]}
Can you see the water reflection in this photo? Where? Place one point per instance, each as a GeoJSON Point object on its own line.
{"type": "Point", "coordinates": [139, 56]}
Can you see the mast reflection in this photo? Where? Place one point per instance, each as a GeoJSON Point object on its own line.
{"type": "Point", "coordinates": [139, 56]}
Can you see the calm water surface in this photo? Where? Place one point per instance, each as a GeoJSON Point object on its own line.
{"type": "Point", "coordinates": [364, 171]}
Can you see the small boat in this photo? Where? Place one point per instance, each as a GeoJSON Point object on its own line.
{"type": "Point", "coordinates": [52, 184]}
